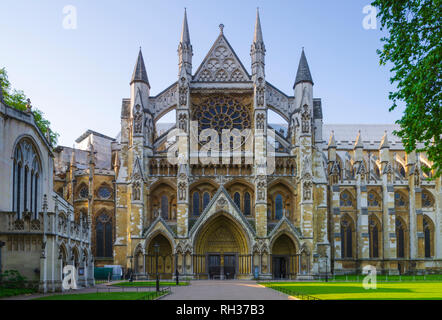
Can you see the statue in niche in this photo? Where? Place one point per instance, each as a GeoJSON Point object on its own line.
{"type": "Point", "coordinates": [138, 118]}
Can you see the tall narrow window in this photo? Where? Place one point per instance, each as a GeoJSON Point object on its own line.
{"type": "Point", "coordinates": [237, 200]}
{"type": "Point", "coordinates": [206, 200]}
{"type": "Point", "coordinates": [196, 204]}
{"type": "Point", "coordinates": [373, 238]}
{"type": "Point", "coordinates": [103, 236]}
{"type": "Point", "coordinates": [25, 190]}
{"type": "Point", "coordinates": [346, 239]}
{"type": "Point", "coordinates": [165, 207]}
{"type": "Point", "coordinates": [25, 183]}
{"type": "Point", "coordinates": [400, 239]}
{"type": "Point", "coordinates": [247, 210]}
{"type": "Point", "coordinates": [278, 207]}
{"type": "Point", "coordinates": [427, 238]}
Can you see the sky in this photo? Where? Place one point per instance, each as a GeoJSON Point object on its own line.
{"type": "Point", "coordinates": [78, 77]}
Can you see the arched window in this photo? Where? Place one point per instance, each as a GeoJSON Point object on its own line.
{"type": "Point", "coordinates": [206, 200]}
{"type": "Point", "coordinates": [103, 234]}
{"type": "Point", "coordinates": [165, 207]}
{"type": "Point", "coordinates": [104, 192]}
{"type": "Point", "coordinates": [428, 237]}
{"type": "Point", "coordinates": [26, 189]}
{"type": "Point", "coordinates": [196, 203]}
{"type": "Point", "coordinates": [427, 199]}
{"type": "Point", "coordinates": [373, 200]}
{"type": "Point", "coordinates": [84, 192]}
{"type": "Point", "coordinates": [346, 238]}
{"type": "Point", "coordinates": [237, 200]}
{"type": "Point", "coordinates": [345, 199]}
{"type": "Point", "coordinates": [278, 207]}
{"type": "Point", "coordinates": [400, 236]}
{"type": "Point", "coordinates": [247, 210]}
{"type": "Point", "coordinates": [373, 238]}
{"type": "Point", "coordinates": [399, 200]}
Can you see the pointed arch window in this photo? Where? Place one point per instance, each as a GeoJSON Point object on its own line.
{"type": "Point", "coordinates": [427, 199]}
{"type": "Point", "coordinates": [346, 238]}
{"type": "Point", "coordinates": [237, 200]}
{"type": "Point", "coordinates": [247, 209]}
{"type": "Point", "coordinates": [196, 203]}
{"type": "Point", "coordinates": [399, 200]}
{"type": "Point", "coordinates": [428, 237]}
{"type": "Point", "coordinates": [278, 207]}
{"type": "Point", "coordinates": [103, 236]}
{"type": "Point", "coordinates": [400, 236]}
{"type": "Point", "coordinates": [346, 200]}
{"type": "Point", "coordinates": [206, 200]}
{"type": "Point", "coordinates": [373, 200]}
{"type": "Point", "coordinates": [373, 238]}
{"type": "Point", "coordinates": [26, 188]}
{"type": "Point", "coordinates": [165, 207]}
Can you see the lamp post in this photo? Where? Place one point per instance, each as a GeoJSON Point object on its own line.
{"type": "Point", "coordinates": [157, 251]}
{"type": "Point", "coordinates": [176, 269]}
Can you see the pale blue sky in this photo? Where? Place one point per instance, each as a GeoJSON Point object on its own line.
{"type": "Point", "coordinates": [78, 77]}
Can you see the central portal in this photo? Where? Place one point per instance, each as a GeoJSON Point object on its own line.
{"type": "Point", "coordinates": [222, 250]}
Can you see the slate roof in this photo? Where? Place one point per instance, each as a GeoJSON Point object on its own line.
{"type": "Point", "coordinates": [303, 74]}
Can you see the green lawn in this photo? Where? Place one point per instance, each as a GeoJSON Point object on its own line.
{"type": "Point", "coordinates": [149, 284]}
{"type": "Point", "coordinates": [105, 296]}
{"type": "Point", "coordinates": [388, 278]}
{"type": "Point", "coordinates": [429, 290]}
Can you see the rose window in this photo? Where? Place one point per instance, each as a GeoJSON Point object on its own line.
{"type": "Point", "coordinates": [220, 113]}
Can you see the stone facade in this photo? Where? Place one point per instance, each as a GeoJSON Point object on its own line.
{"type": "Point", "coordinates": [37, 227]}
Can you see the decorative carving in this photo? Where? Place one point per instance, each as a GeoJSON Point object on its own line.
{"type": "Point", "coordinates": [182, 190]}
{"type": "Point", "coordinates": [136, 191]}
{"type": "Point", "coordinates": [307, 190]}
{"type": "Point", "coordinates": [260, 121]}
{"type": "Point", "coordinates": [305, 120]}
{"type": "Point", "coordinates": [138, 120]}
{"type": "Point", "coordinates": [182, 122]}
{"type": "Point", "coordinates": [261, 187]}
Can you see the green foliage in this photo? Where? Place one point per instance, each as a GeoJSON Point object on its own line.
{"type": "Point", "coordinates": [18, 100]}
{"type": "Point", "coordinates": [12, 279]}
{"type": "Point", "coordinates": [413, 46]}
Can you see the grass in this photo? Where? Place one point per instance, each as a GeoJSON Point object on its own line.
{"type": "Point", "coordinates": [429, 290]}
{"type": "Point", "coordinates": [105, 296]}
{"type": "Point", "coordinates": [6, 292]}
{"type": "Point", "coordinates": [387, 278]}
{"type": "Point", "coordinates": [149, 284]}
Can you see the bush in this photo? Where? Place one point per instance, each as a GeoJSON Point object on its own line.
{"type": "Point", "coordinates": [12, 279]}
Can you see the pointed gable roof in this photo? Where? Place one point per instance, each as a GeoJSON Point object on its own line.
{"type": "Point", "coordinates": [303, 74]}
{"type": "Point", "coordinates": [140, 73]}
{"type": "Point", "coordinates": [221, 64]}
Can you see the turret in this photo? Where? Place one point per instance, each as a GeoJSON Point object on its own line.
{"type": "Point", "coordinates": [304, 94]}
{"type": "Point", "coordinates": [185, 50]}
{"type": "Point", "coordinates": [358, 148]}
{"type": "Point", "coordinates": [332, 147]}
{"type": "Point", "coordinates": [384, 149]}
{"type": "Point", "coordinates": [258, 51]}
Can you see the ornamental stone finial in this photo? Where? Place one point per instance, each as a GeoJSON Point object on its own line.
{"type": "Point", "coordinates": [221, 28]}
{"type": "Point", "coordinates": [28, 106]}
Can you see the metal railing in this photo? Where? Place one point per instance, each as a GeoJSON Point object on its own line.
{"type": "Point", "coordinates": [289, 292]}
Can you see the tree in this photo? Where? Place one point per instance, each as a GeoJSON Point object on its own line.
{"type": "Point", "coordinates": [413, 46]}
{"type": "Point", "coordinates": [18, 100]}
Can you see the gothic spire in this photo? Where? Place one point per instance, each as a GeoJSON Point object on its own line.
{"type": "Point", "coordinates": [303, 74]}
{"type": "Point", "coordinates": [73, 157]}
{"type": "Point", "coordinates": [185, 50]}
{"type": "Point", "coordinates": [258, 31]}
{"type": "Point", "coordinates": [384, 142]}
{"type": "Point", "coordinates": [358, 143]}
{"type": "Point", "coordinates": [140, 73]}
{"type": "Point", "coordinates": [332, 141]}
{"type": "Point", "coordinates": [185, 35]}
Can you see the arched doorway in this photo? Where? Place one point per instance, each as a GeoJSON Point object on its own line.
{"type": "Point", "coordinates": [222, 250]}
{"type": "Point", "coordinates": [284, 258]}
{"type": "Point", "coordinates": [165, 258]}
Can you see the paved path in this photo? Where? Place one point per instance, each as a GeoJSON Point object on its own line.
{"type": "Point", "coordinates": [225, 290]}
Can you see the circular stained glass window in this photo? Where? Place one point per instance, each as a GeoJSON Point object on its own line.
{"type": "Point", "coordinates": [84, 193]}
{"type": "Point", "coordinates": [220, 113]}
{"type": "Point", "coordinates": [104, 193]}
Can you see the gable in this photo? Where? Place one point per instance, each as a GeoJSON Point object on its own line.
{"type": "Point", "coordinates": [221, 65]}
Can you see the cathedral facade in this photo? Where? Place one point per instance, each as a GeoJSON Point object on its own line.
{"type": "Point", "coordinates": [224, 193]}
